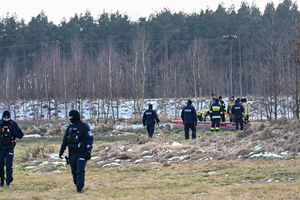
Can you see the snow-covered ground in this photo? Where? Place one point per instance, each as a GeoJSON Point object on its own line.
{"type": "Point", "coordinates": [169, 107]}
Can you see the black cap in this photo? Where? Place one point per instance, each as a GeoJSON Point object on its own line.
{"type": "Point", "coordinates": [220, 97]}
{"type": "Point", "coordinates": [150, 106]}
{"type": "Point", "coordinates": [189, 102]}
{"type": "Point", "coordinates": [74, 116]}
{"type": "Point", "coordinates": [6, 114]}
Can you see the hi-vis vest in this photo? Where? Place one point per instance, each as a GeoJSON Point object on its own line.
{"type": "Point", "coordinates": [74, 140]}
{"type": "Point", "coordinates": [6, 136]}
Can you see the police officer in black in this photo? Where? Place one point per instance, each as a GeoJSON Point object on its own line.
{"type": "Point", "coordinates": [149, 119]}
{"type": "Point", "coordinates": [238, 112]}
{"type": "Point", "coordinates": [9, 132]}
{"type": "Point", "coordinates": [222, 103]}
{"type": "Point", "coordinates": [189, 118]}
{"type": "Point", "coordinates": [79, 139]}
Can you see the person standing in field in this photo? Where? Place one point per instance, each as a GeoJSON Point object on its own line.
{"type": "Point", "coordinates": [79, 139]}
{"type": "Point", "coordinates": [149, 119]}
{"type": "Point", "coordinates": [9, 131]}
{"type": "Point", "coordinates": [189, 118]}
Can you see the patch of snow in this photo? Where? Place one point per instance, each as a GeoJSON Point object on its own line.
{"type": "Point", "coordinates": [53, 156]}
{"type": "Point", "coordinates": [130, 150]}
{"type": "Point", "coordinates": [94, 157]}
{"type": "Point", "coordinates": [32, 136]}
{"type": "Point", "coordinates": [30, 167]}
{"type": "Point", "coordinates": [257, 148]}
{"type": "Point", "coordinates": [175, 144]}
{"type": "Point", "coordinates": [146, 157]}
{"type": "Point", "coordinates": [269, 180]}
{"type": "Point", "coordinates": [139, 160]}
{"type": "Point", "coordinates": [284, 153]}
{"type": "Point", "coordinates": [154, 163]}
{"type": "Point", "coordinates": [205, 159]}
{"type": "Point", "coordinates": [57, 171]}
{"type": "Point", "coordinates": [44, 163]}
{"type": "Point", "coordinates": [111, 165]}
{"type": "Point", "coordinates": [266, 154]}
{"type": "Point", "coordinates": [183, 157]}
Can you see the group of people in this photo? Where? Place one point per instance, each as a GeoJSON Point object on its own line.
{"type": "Point", "coordinates": [78, 138]}
{"type": "Point", "coordinates": [238, 111]}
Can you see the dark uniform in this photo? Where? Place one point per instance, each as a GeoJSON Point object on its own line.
{"type": "Point", "coordinates": [79, 139]}
{"type": "Point", "coordinates": [149, 119]}
{"type": "Point", "coordinates": [238, 113]}
{"type": "Point", "coordinates": [9, 132]}
{"type": "Point", "coordinates": [216, 111]}
{"type": "Point", "coordinates": [222, 103]}
{"type": "Point", "coordinates": [189, 118]}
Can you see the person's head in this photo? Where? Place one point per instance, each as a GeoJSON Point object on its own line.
{"type": "Point", "coordinates": [6, 115]}
{"type": "Point", "coordinates": [243, 100]}
{"type": "Point", "coordinates": [150, 106]}
{"type": "Point", "coordinates": [220, 98]}
{"type": "Point", "coordinates": [74, 116]}
{"type": "Point", "coordinates": [231, 98]}
{"type": "Point", "coordinates": [237, 101]}
{"type": "Point", "coordinates": [189, 102]}
{"type": "Point", "coordinates": [213, 96]}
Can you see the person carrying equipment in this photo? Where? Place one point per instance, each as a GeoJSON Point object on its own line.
{"type": "Point", "coordinates": [79, 139]}
{"type": "Point", "coordinates": [216, 111]}
{"type": "Point", "coordinates": [9, 131]}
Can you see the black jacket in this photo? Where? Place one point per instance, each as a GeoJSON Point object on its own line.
{"type": "Point", "coordinates": [14, 130]}
{"type": "Point", "coordinates": [216, 110]}
{"type": "Point", "coordinates": [85, 138]}
{"type": "Point", "coordinates": [237, 110]}
{"type": "Point", "coordinates": [188, 114]}
{"type": "Point", "coordinates": [150, 117]}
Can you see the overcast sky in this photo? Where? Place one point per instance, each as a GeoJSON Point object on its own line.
{"type": "Point", "coordinates": [56, 10]}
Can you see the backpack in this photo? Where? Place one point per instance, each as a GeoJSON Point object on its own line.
{"type": "Point", "coordinates": [74, 140]}
{"type": "Point", "coordinates": [6, 136]}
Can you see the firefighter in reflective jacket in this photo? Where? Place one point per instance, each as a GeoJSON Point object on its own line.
{"type": "Point", "coordinates": [229, 107]}
{"type": "Point", "coordinates": [216, 111]}
{"type": "Point", "coordinates": [79, 139]}
{"type": "Point", "coordinates": [9, 132]}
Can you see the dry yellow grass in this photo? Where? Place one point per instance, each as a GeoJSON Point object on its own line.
{"type": "Point", "coordinates": [194, 180]}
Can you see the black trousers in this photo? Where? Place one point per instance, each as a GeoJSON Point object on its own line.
{"type": "Point", "coordinates": [187, 128]}
{"type": "Point", "coordinates": [239, 121]}
{"type": "Point", "coordinates": [215, 124]}
{"type": "Point", "coordinates": [223, 117]}
{"type": "Point", "coordinates": [150, 130]}
{"type": "Point", "coordinates": [6, 159]}
{"type": "Point", "coordinates": [78, 163]}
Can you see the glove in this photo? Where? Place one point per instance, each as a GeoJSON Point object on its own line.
{"type": "Point", "coordinates": [60, 155]}
{"type": "Point", "coordinates": [88, 156]}
{"type": "Point", "coordinates": [144, 125]}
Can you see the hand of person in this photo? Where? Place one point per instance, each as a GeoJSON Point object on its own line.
{"type": "Point", "coordinates": [88, 156]}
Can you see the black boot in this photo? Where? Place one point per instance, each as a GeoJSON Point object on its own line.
{"type": "Point", "coordinates": [79, 190]}
{"type": "Point", "coordinates": [2, 182]}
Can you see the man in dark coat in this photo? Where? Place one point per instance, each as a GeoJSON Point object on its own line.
{"type": "Point", "coordinates": [238, 112]}
{"type": "Point", "coordinates": [189, 118]}
{"type": "Point", "coordinates": [222, 104]}
{"type": "Point", "coordinates": [149, 119]}
{"type": "Point", "coordinates": [9, 132]}
{"type": "Point", "coordinates": [79, 139]}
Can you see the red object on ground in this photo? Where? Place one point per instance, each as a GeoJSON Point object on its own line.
{"type": "Point", "coordinates": [205, 124]}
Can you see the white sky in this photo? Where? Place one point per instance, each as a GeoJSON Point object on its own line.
{"type": "Point", "coordinates": [56, 10]}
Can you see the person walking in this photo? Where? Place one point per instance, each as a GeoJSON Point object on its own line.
{"type": "Point", "coordinates": [189, 118]}
{"type": "Point", "coordinates": [149, 119]}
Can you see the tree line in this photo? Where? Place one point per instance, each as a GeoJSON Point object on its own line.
{"type": "Point", "coordinates": [167, 55]}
